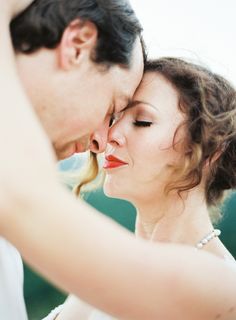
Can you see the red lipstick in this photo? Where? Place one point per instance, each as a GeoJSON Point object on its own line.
{"type": "Point", "coordinates": [112, 162]}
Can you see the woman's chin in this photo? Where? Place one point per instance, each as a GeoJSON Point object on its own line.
{"type": "Point", "coordinates": [111, 193]}
{"type": "Point", "coordinates": [114, 189]}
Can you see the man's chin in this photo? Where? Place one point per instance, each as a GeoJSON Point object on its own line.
{"type": "Point", "coordinates": [69, 150]}
{"type": "Point", "coordinates": [64, 153]}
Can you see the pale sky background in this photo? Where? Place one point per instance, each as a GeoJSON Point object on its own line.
{"type": "Point", "coordinates": [202, 30]}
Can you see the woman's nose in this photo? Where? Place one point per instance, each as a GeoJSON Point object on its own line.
{"type": "Point", "coordinates": [116, 136]}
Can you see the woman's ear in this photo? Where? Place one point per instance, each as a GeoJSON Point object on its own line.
{"type": "Point", "coordinates": [78, 40]}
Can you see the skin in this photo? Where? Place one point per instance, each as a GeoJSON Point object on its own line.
{"type": "Point", "coordinates": [150, 156]}
{"type": "Point", "coordinates": [148, 150]}
{"type": "Point", "coordinates": [144, 137]}
{"type": "Point", "coordinates": [60, 90]}
{"type": "Point", "coordinates": [50, 228]}
{"type": "Point", "coordinates": [12, 7]}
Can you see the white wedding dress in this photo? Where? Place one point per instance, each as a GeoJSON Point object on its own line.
{"type": "Point", "coordinates": [12, 306]}
{"type": "Point", "coordinates": [95, 315]}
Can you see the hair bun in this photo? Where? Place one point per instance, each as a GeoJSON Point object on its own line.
{"type": "Point", "coordinates": [227, 173]}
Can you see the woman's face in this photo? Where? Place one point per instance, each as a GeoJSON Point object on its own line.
{"type": "Point", "coordinates": [140, 154]}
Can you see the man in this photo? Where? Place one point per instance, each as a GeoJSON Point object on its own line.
{"type": "Point", "coordinates": [79, 62]}
{"type": "Point", "coordinates": [64, 238]}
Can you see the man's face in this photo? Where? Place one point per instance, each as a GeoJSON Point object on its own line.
{"type": "Point", "coordinates": [74, 102]}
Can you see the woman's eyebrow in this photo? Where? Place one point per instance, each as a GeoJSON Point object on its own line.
{"type": "Point", "coordinates": [134, 103]}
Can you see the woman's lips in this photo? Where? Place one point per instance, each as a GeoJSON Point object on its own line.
{"type": "Point", "coordinates": [112, 162]}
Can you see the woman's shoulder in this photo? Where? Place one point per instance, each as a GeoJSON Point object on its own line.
{"type": "Point", "coordinates": [230, 261]}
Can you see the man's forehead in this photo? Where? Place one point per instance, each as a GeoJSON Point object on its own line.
{"type": "Point", "coordinates": [119, 103]}
{"type": "Point", "coordinates": [122, 102]}
{"type": "Point", "coordinates": [139, 56]}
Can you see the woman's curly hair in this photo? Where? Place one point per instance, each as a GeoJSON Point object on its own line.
{"type": "Point", "coordinates": [209, 104]}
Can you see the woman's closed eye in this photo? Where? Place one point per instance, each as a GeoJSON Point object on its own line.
{"type": "Point", "coordinates": [143, 123]}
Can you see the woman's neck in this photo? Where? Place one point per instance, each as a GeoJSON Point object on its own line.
{"type": "Point", "coordinates": [172, 219]}
{"type": "Point", "coordinates": [181, 221]}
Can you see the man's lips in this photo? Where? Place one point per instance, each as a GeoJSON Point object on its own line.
{"type": "Point", "coordinates": [113, 162]}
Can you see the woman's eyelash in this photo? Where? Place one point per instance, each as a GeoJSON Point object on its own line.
{"type": "Point", "coordinates": [142, 123]}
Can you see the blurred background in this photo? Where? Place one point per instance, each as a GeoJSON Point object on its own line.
{"type": "Point", "coordinates": [203, 31]}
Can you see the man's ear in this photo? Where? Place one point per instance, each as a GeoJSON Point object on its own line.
{"type": "Point", "coordinates": [78, 40]}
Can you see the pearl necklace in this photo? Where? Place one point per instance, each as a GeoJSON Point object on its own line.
{"type": "Point", "coordinates": [213, 234]}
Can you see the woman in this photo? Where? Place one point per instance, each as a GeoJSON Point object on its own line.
{"type": "Point", "coordinates": [172, 153]}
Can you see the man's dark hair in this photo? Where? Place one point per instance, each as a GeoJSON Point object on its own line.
{"type": "Point", "coordinates": [44, 21]}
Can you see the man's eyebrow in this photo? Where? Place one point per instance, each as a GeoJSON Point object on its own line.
{"type": "Point", "coordinates": [134, 103]}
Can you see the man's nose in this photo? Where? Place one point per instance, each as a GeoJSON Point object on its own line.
{"type": "Point", "coordinates": [98, 140]}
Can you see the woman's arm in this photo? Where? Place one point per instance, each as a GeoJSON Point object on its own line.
{"type": "Point", "coordinates": [22, 139]}
{"type": "Point", "coordinates": [10, 8]}
{"type": "Point", "coordinates": [88, 254]}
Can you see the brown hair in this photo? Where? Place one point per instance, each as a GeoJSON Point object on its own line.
{"type": "Point", "coordinates": [209, 103]}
